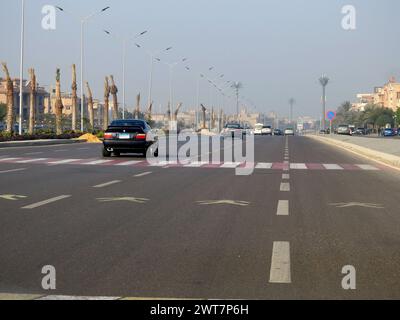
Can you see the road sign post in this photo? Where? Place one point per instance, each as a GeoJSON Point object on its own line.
{"type": "Point", "coordinates": [331, 115]}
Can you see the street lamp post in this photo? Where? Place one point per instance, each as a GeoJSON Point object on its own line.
{"type": "Point", "coordinates": [82, 22]}
{"type": "Point", "coordinates": [292, 101]}
{"type": "Point", "coordinates": [124, 48]}
{"type": "Point", "coordinates": [324, 80]}
{"type": "Point", "coordinates": [171, 75]}
{"type": "Point", "coordinates": [21, 81]}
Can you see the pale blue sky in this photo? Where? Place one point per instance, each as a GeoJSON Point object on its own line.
{"type": "Point", "coordinates": [278, 49]}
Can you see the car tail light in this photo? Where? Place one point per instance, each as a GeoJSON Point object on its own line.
{"type": "Point", "coordinates": [109, 135]}
{"type": "Point", "coordinates": [141, 136]}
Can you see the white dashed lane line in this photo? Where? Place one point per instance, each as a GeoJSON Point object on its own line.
{"type": "Point", "coordinates": [142, 174]}
{"type": "Point", "coordinates": [283, 208]}
{"type": "Point", "coordinates": [280, 263]}
{"type": "Point", "coordinates": [32, 160]}
{"type": "Point", "coordinates": [285, 187]}
{"type": "Point", "coordinates": [285, 176]}
{"type": "Point", "coordinates": [13, 170]}
{"type": "Point", "coordinates": [45, 202]}
{"type": "Point", "coordinates": [106, 184]}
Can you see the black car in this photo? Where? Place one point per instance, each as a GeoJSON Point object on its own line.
{"type": "Point", "coordinates": [128, 136]}
{"type": "Point", "coordinates": [278, 132]}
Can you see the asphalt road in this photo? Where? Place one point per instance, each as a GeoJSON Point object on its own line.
{"type": "Point", "coordinates": [174, 242]}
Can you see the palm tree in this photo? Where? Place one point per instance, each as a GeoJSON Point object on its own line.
{"type": "Point", "coordinates": [10, 99]}
{"type": "Point", "coordinates": [324, 80]}
{"type": "Point", "coordinates": [59, 105]}
{"type": "Point", "coordinates": [74, 88]}
{"type": "Point", "coordinates": [136, 114]}
{"type": "Point", "coordinates": [106, 103]}
{"type": "Point", "coordinates": [32, 102]}
{"type": "Point", "coordinates": [237, 86]}
{"type": "Point", "coordinates": [114, 92]}
{"type": "Point", "coordinates": [203, 109]}
{"type": "Point", "coordinates": [149, 112]}
{"type": "Point", "coordinates": [178, 108]}
{"type": "Point", "coordinates": [90, 106]}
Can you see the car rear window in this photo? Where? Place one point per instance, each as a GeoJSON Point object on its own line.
{"type": "Point", "coordinates": [125, 123]}
{"type": "Point", "coordinates": [126, 129]}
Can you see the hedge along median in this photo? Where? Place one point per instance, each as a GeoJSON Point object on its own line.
{"type": "Point", "coordinates": [378, 156]}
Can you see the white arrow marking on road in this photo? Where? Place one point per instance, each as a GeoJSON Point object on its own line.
{"type": "Point", "coordinates": [12, 197]}
{"type": "Point", "coordinates": [43, 203]}
{"type": "Point", "coordinates": [128, 199]}
{"type": "Point", "coordinates": [357, 204]}
{"type": "Point", "coordinates": [280, 264]}
{"type": "Point", "coordinates": [219, 202]}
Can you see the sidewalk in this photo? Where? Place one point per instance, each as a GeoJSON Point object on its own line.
{"type": "Point", "coordinates": [33, 143]}
{"type": "Point", "coordinates": [384, 150]}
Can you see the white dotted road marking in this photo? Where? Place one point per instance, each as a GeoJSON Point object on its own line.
{"type": "Point", "coordinates": [285, 187]}
{"type": "Point", "coordinates": [45, 202]}
{"type": "Point", "coordinates": [66, 161]}
{"type": "Point", "coordinates": [230, 165]}
{"type": "Point", "coordinates": [106, 184]}
{"type": "Point", "coordinates": [128, 163]}
{"type": "Point", "coordinates": [298, 166]}
{"type": "Point", "coordinates": [332, 167]}
{"type": "Point", "coordinates": [142, 174]}
{"type": "Point", "coordinates": [97, 162]}
{"type": "Point", "coordinates": [283, 208]}
{"type": "Point", "coordinates": [367, 167]}
{"type": "Point", "coordinates": [280, 264]}
{"type": "Point", "coordinates": [262, 165]}
{"type": "Point", "coordinates": [285, 176]}
{"type": "Point", "coordinates": [32, 160]}
{"type": "Point", "coordinates": [13, 170]}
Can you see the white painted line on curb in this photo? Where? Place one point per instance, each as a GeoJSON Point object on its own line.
{"type": "Point", "coordinates": [43, 203]}
{"type": "Point", "coordinates": [285, 187]}
{"type": "Point", "coordinates": [13, 170]}
{"type": "Point", "coordinates": [332, 167]}
{"type": "Point", "coordinates": [143, 174]}
{"type": "Point", "coordinates": [283, 208]}
{"type": "Point", "coordinates": [106, 184]}
{"type": "Point", "coordinates": [280, 264]}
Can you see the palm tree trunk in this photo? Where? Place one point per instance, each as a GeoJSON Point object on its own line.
{"type": "Point", "coordinates": [114, 92]}
{"type": "Point", "coordinates": [74, 88]}
{"type": "Point", "coordinates": [90, 106]}
{"type": "Point", "coordinates": [59, 105]}
{"type": "Point", "coordinates": [106, 104]}
{"type": "Point", "coordinates": [137, 110]}
{"type": "Point", "coordinates": [32, 102]}
{"type": "Point", "coordinates": [10, 100]}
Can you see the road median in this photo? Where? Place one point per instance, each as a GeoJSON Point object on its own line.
{"type": "Point", "coordinates": [370, 148]}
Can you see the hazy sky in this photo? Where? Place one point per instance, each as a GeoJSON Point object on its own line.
{"type": "Point", "coordinates": [278, 49]}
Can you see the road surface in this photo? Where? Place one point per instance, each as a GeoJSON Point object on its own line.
{"type": "Point", "coordinates": [122, 228]}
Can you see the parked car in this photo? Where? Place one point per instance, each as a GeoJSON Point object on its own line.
{"type": "Point", "coordinates": [234, 130]}
{"type": "Point", "coordinates": [344, 129]}
{"type": "Point", "coordinates": [388, 132]}
{"type": "Point", "coordinates": [278, 132]}
{"type": "Point", "coordinates": [258, 129]}
{"type": "Point", "coordinates": [129, 136]}
{"type": "Point", "coordinates": [289, 132]}
{"type": "Point", "coordinates": [360, 132]}
{"type": "Point", "coordinates": [266, 131]}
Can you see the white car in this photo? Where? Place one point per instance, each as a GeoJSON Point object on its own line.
{"type": "Point", "coordinates": [258, 129]}
{"type": "Point", "coordinates": [289, 132]}
{"type": "Point", "coordinates": [266, 131]}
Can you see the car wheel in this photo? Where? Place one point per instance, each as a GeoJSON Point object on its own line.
{"type": "Point", "coordinates": [106, 153]}
{"type": "Point", "coordinates": [117, 154]}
